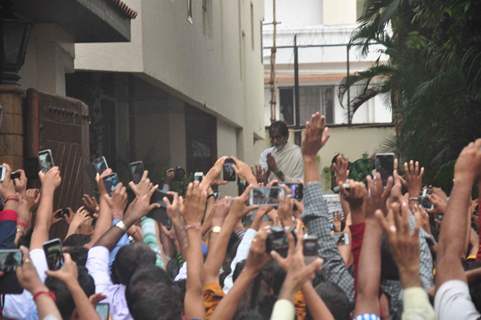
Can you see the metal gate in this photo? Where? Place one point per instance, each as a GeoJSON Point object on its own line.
{"type": "Point", "coordinates": [62, 125]}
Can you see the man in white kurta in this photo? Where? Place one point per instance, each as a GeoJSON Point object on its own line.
{"type": "Point", "coordinates": [283, 161]}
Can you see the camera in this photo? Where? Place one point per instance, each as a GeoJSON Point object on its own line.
{"type": "Point", "coordinates": [277, 241]}
{"type": "Point", "coordinates": [424, 198]}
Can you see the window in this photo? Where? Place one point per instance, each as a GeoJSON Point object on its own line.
{"type": "Point", "coordinates": [311, 99]}
{"type": "Point", "coordinates": [252, 27]}
{"type": "Point", "coordinates": [189, 12]}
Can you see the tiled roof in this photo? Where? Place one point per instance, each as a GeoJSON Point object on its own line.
{"type": "Point", "coordinates": [125, 9]}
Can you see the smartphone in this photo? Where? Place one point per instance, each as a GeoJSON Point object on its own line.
{"type": "Point", "coordinates": [54, 253]}
{"type": "Point", "coordinates": [198, 176]}
{"type": "Point", "coordinates": [45, 160]}
{"type": "Point", "coordinates": [310, 245]}
{"type": "Point", "coordinates": [265, 196]}
{"type": "Point", "coordinates": [384, 164]}
{"type": "Point", "coordinates": [424, 198]}
{"type": "Point", "coordinates": [103, 310]}
{"type": "Point", "coordinates": [136, 171]}
{"type": "Point", "coordinates": [3, 170]}
{"type": "Point", "coordinates": [160, 214]}
{"type": "Point", "coordinates": [228, 170]}
{"type": "Point", "coordinates": [10, 259]}
{"type": "Point", "coordinates": [110, 182]}
{"type": "Point", "coordinates": [297, 190]}
{"type": "Point", "coordinates": [14, 175]}
{"type": "Point", "coordinates": [100, 164]}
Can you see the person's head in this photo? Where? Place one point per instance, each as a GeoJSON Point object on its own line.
{"type": "Point", "coordinates": [64, 299]}
{"type": "Point", "coordinates": [279, 133]}
{"type": "Point", "coordinates": [335, 300]}
{"type": "Point", "coordinates": [74, 245]}
{"type": "Point", "coordinates": [128, 259]}
{"type": "Point", "coordinates": [150, 295]}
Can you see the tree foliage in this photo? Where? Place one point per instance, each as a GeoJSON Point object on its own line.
{"type": "Point", "coordinates": [433, 74]}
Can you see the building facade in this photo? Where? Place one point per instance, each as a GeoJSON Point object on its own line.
{"type": "Point", "coordinates": [186, 89]}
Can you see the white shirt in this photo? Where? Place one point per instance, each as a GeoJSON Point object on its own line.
{"type": "Point", "coordinates": [241, 254]}
{"type": "Point", "coordinates": [98, 267]}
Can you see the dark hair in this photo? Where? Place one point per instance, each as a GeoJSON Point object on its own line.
{"type": "Point", "coordinates": [335, 300]}
{"type": "Point", "coordinates": [64, 299]}
{"type": "Point", "coordinates": [150, 295]}
{"type": "Point", "coordinates": [74, 245]}
{"type": "Point", "coordinates": [281, 126]}
{"type": "Point", "coordinates": [128, 259]}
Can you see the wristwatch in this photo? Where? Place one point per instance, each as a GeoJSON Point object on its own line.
{"type": "Point", "coordinates": [121, 225]}
{"type": "Point", "coordinates": [216, 229]}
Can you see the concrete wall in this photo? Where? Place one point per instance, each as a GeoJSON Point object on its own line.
{"type": "Point", "coordinates": [339, 12]}
{"type": "Point", "coordinates": [288, 12]}
{"type": "Point", "coordinates": [50, 54]}
{"type": "Point", "coordinates": [213, 63]}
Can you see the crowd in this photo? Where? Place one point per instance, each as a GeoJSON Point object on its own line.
{"type": "Point", "coordinates": [224, 258]}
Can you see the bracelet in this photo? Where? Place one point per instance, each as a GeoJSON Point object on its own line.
{"type": "Point", "coordinates": [195, 226]}
{"type": "Point", "coordinates": [12, 197]}
{"type": "Point", "coordinates": [121, 225]}
{"type": "Point", "coordinates": [414, 199]}
{"type": "Point", "coordinates": [46, 293]}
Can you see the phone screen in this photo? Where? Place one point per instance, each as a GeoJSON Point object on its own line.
{"type": "Point", "coordinates": [103, 310]}
{"type": "Point", "coordinates": [54, 253]}
{"type": "Point", "coordinates": [45, 160]}
{"type": "Point", "coordinates": [228, 170]}
{"type": "Point", "coordinates": [100, 164]}
{"type": "Point", "coordinates": [265, 196]}
{"type": "Point", "coordinates": [136, 171]}
{"type": "Point", "coordinates": [10, 260]}
{"type": "Point", "coordinates": [297, 190]}
{"type": "Point", "coordinates": [384, 164]}
{"type": "Point", "coordinates": [111, 182]}
{"type": "Point", "coordinates": [2, 173]}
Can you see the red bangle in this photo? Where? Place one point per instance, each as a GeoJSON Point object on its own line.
{"type": "Point", "coordinates": [22, 224]}
{"type": "Point", "coordinates": [195, 226]}
{"type": "Point", "coordinates": [47, 293]}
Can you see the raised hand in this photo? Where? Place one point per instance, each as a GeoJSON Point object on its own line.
{"type": "Point", "coordinates": [21, 183]}
{"type": "Point", "coordinates": [355, 194]}
{"type": "Point", "coordinates": [316, 135]}
{"type": "Point", "coordinates": [468, 165]}
{"type": "Point", "coordinates": [377, 194]}
{"type": "Point", "coordinates": [7, 188]}
{"type": "Point", "coordinates": [285, 210]}
{"type": "Point", "coordinates": [213, 175]}
{"type": "Point", "coordinates": [404, 244]}
{"type": "Point", "coordinates": [439, 199]}
{"type": "Point", "coordinates": [32, 196]}
{"type": "Point", "coordinates": [68, 274]}
{"type": "Point", "coordinates": [414, 177]}
{"type": "Point", "coordinates": [221, 209]}
{"type": "Point", "coordinates": [258, 257]}
{"type": "Point", "coordinates": [141, 205]}
{"type": "Point", "coordinates": [118, 201]}
{"type": "Point", "coordinates": [27, 274]}
{"type": "Point", "coordinates": [90, 203]}
{"type": "Point", "coordinates": [260, 174]}
{"type": "Point", "coordinates": [297, 272]}
{"type": "Point", "coordinates": [194, 204]}
{"type": "Point", "coordinates": [271, 163]}
{"type": "Point", "coordinates": [341, 169]}
{"type": "Point", "coordinates": [244, 171]}
{"type": "Point", "coordinates": [99, 178]}
{"type": "Point", "coordinates": [51, 179]}
{"type": "Point", "coordinates": [79, 218]}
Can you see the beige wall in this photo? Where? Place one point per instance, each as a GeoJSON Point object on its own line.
{"type": "Point", "coordinates": [211, 62]}
{"type": "Point", "coordinates": [50, 54]}
{"type": "Point", "coordinates": [339, 12]}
